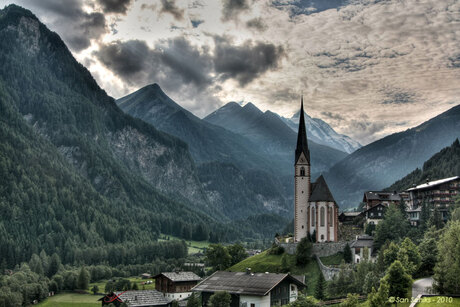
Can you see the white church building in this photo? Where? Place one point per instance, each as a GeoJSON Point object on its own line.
{"type": "Point", "coordinates": [315, 210]}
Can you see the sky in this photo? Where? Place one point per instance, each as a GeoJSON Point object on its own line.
{"type": "Point", "coordinates": [369, 68]}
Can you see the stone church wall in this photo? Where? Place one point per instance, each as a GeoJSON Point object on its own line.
{"type": "Point", "coordinates": [319, 249]}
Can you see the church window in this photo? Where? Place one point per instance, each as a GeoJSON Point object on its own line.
{"type": "Point", "coordinates": [322, 216]}
{"type": "Point", "coordinates": [313, 216]}
{"type": "Point", "coordinates": [302, 226]}
{"type": "Point", "coordinates": [302, 172]}
{"type": "Point", "coordinates": [330, 217]}
{"type": "Point", "coordinates": [302, 192]}
{"type": "Point", "coordinates": [322, 237]}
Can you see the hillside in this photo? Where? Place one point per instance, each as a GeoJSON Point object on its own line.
{"type": "Point", "coordinates": [381, 163]}
{"type": "Point", "coordinates": [80, 177]}
{"type": "Point", "coordinates": [264, 262]}
{"type": "Point", "coordinates": [444, 164]}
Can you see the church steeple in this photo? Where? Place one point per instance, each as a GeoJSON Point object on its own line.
{"type": "Point", "coordinates": [302, 144]}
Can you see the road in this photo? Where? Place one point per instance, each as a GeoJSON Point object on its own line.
{"type": "Point", "coordinates": [422, 286]}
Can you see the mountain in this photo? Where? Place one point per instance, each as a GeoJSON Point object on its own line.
{"type": "Point", "coordinates": [320, 132]}
{"type": "Point", "coordinates": [379, 164]}
{"type": "Point", "coordinates": [229, 165]}
{"type": "Point", "coordinates": [79, 176]}
{"type": "Point", "coordinates": [444, 164]}
{"type": "Point", "coordinates": [206, 142]}
{"type": "Point", "coordinates": [271, 135]}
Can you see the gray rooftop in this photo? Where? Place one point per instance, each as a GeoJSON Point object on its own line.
{"type": "Point", "coordinates": [180, 276]}
{"type": "Point", "coordinates": [258, 284]}
{"type": "Point", "coordinates": [320, 191]}
{"type": "Point", "coordinates": [142, 298]}
{"type": "Point", "coordinates": [363, 241]}
{"type": "Point", "coordinates": [382, 195]}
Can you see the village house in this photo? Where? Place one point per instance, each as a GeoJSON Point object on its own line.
{"type": "Point", "coordinates": [138, 298]}
{"type": "Point", "coordinates": [176, 285]}
{"type": "Point", "coordinates": [360, 246]}
{"type": "Point", "coordinates": [251, 289]}
{"type": "Point", "coordinates": [438, 194]}
{"type": "Point", "coordinates": [350, 217]}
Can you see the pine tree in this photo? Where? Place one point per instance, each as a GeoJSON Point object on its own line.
{"type": "Point", "coordinates": [193, 301]}
{"type": "Point", "coordinates": [347, 255]}
{"type": "Point", "coordinates": [83, 279]}
{"type": "Point", "coordinates": [319, 287]}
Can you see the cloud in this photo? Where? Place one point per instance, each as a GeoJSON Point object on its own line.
{"type": "Point", "coordinates": [247, 61]}
{"type": "Point", "coordinates": [334, 116]}
{"type": "Point", "coordinates": [68, 18]}
{"type": "Point", "coordinates": [307, 7]}
{"type": "Point", "coordinates": [397, 96]}
{"type": "Point", "coordinates": [232, 8]}
{"type": "Point", "coordinates": [170, 7]}
{"type": "Point", "coordinates": [115, 6]}
{"type": "Point", "coordinates": [257, 23]}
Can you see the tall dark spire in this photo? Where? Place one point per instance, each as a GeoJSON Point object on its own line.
{"type": "Point", "coordinates": [302, 144]}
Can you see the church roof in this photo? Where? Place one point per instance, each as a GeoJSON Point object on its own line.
{"type": "Point", "coordinates": [302, 144]}
{"type": "Point", "coordinates": [320, 191]}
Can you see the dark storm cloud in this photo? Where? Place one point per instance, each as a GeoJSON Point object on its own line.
{"type": "Point", "coordinates": [173, 61]}
{"type": "Point", "coordinates": [115, 6]}
{"type": "Point", "coordinates": [231, 8]}
{"type": "Point", "coordinates": [74, 25]}
{"type": "Point", "coordinates": [256, 23]}
{"type": "Point", "coordinates": [125, 59]}
{"type": "Point", "coordinates": [246, 62]}
{"type": "Point", "coordinates": [170, 7]}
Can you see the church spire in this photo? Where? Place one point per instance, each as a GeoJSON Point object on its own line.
{"type": "Point", "coordinates": [302, 144]}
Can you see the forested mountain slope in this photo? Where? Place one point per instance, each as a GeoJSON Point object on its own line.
{"type": "Point", "coordinates": [78, 176]}
{"type": "Point", "coordinates": [444, 164]}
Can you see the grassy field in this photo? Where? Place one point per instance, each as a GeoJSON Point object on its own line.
{"type": "Point", "coordinates": [332, 260]}
{"type": "Point", "coordinates": [272, 263]}
{"type": "Point", "coordinates": [71, 300]}
{"type": "Point", "coordinates": [193, 246]}
{"type": "Point", "coordinates": [138, 280]}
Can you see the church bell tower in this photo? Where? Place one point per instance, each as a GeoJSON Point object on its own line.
{"type": "Point", "coordinates": [302, 181]}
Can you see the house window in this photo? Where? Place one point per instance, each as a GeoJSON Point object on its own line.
{"type": "Point", "coordinates": [322, 237]}
{"type": "Point", "coordinates": [302, 171]}
{"type": "Point", "coordinates": [292, 288]}
{"type": "Point", "coordinates": [380, 214]}
{"type": "Point", "coordinates": [313, 216]}
{"type": "Point", "coordinates": [253, 305]}
{"type": "Point", "coordinates": [322, 216]}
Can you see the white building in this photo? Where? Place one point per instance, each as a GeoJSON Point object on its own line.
{"type": "Point", "coordinates": [252, 289]}
{"type": "Point", "coordinates": [315, 210]}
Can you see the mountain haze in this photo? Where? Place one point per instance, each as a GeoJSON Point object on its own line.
{"type": "Point", "coordinates": [379, 164]}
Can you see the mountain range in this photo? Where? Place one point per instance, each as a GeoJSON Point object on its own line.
{"type": "Point", "coordinates": [381, 163]}
{"type": "Point", "coordinates": [79, 176]}
{"type": "Point", "coordinates": [245, 168]}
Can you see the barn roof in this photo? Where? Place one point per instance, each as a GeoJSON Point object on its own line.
{"type": "Point", "coordinates": [257, 284]}
{"type": "Point", "coordinates": [180, 276]}
{"type": "Point", "coordinates": [138, 298]}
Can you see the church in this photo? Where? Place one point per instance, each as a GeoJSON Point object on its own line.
{"type": "Point", "coordinates": [315, 210]}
